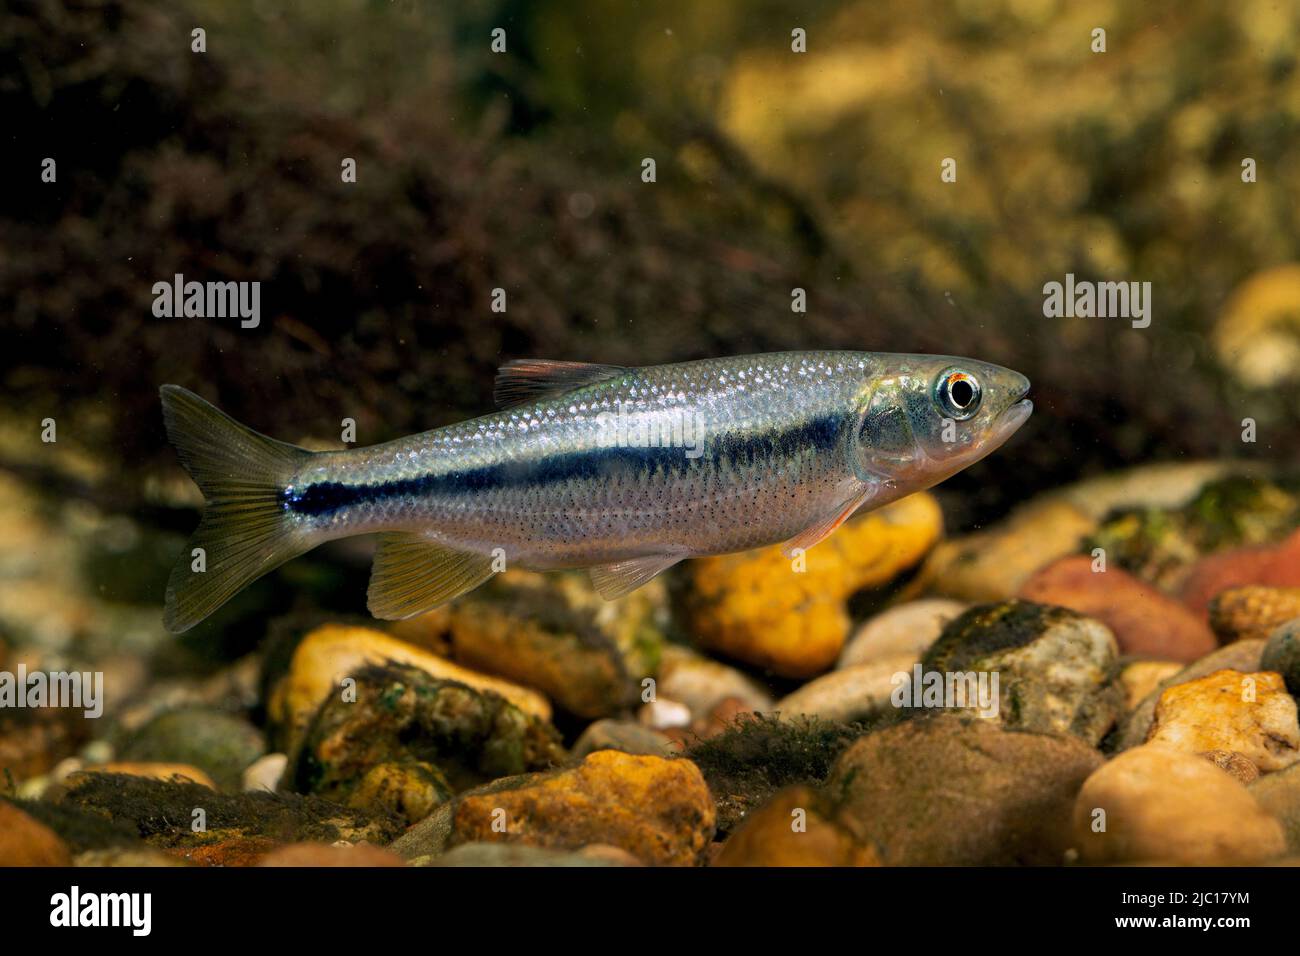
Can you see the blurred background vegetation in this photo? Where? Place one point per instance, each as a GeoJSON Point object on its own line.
{"type": "Point", "coordinates": [522, 171]}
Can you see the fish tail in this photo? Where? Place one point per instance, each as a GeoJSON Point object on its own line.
{"type": "Point", "coordinates": [244, 531]}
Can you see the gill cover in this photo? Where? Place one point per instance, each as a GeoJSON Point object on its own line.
{"type": "Point", "coordinates": [884, 442]}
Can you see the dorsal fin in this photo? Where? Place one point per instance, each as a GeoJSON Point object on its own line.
{"type": "Point", "coordinates": [527, 380]}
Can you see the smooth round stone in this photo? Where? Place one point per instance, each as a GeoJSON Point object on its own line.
{"type": "Point", "coordinates": [1140, 678]}
{"type": "Point", "coordinates": [521, 854]}
{"type": "Point", "coordinates": [265, 773]}
{"type": "Point", "coordinates": [993, 564]}
{"type": "Point", "coordinates": [852, 693]}
{"type": "Point", "coordinates": [28, 842]}
{"type": "Point", "coordinates": [906, 629]}
{"type": "Point", "coordinates": [332, 855]}
{"type": "Point", "coordinates": [626, 736]}
{"type": "Point", "coordinates": [790, 830]}
{"type": "Point", "coordinates": [951, 791]}
{"type": "Point", "coordinates": [222, 745]}
{"type": "Point", "coordinates": [1282, 654]}
{"type": "Point", "coordinates": [1153, 804]}
{"type": "Point", "coordinates": [702, 683]}
{"type": "Point", "coordinates": [1279, 794]}
{"type": "Point", "coordinates": [664, 714]}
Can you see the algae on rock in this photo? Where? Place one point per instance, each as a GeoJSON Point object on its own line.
{"type": "Point", "coordinates": [430, 735]}
{"type": "Point", "coordinates": [1158, 544]}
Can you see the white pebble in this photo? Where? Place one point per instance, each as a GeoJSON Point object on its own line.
{"type": "Point", "coordinates": [264, 773]}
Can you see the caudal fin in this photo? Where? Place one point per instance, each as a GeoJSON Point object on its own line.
{"type": "Point", "coordinates": [243, 532]}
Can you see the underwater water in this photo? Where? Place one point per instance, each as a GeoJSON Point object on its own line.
{"type": "Point", "coordinates": [785, 573]}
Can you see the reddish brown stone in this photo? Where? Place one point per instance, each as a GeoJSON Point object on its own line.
{"type": "Point", "coordinates": [28, 842]}
{"type": "Point", "coordinates": [1145, 621]}
{"type": "Point", "coordinates": [323, 854]}
{"type": "Point", "coordinates": [790, 830]}
{"type": "Point", "coordinates": [1277, 566]}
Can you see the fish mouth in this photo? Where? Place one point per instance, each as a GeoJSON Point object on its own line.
{"type": "Point", "coordinates": [1012, 417]}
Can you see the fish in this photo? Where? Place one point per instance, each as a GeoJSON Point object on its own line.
{"type": "Point", "coordinates": [622, 471]}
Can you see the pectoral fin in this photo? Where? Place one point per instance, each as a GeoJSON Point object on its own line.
{"type": "Point", "coordinates": [622, 577]}
{"type": "Point", "coordinates": [413, 574]}
{"type": "Point", "coordinates": [816, 533]}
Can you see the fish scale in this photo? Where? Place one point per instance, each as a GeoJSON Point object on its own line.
{"type": "Point", "coordinates": [751, 414]}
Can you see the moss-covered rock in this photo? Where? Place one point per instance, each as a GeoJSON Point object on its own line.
{"type": "Point", "coordinates": [84, 830]}
{"type": "Point", "coordinates": [163, 814]}
{"type": "Point", "coordinates": [406, 789]}
{"type": "Point", "coordinates": [154, 771]}
{"type": "Point", "coordinates": [1057, 670]}
{"type": "Point", "coordinates": [757, 755]}
{"type": "Point", "coordinates": [333, 653]}
{"type": "Point", "coordinates": [1159, 544]}
{"type": "Point", "coordinates": [431, 736]}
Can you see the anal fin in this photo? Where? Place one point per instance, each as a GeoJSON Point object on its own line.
{"type": "Point", "coordinates": [623, 577]}
{"type": "Point", "coordinates": [413, 574]}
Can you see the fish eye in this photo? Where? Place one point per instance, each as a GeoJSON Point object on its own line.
{"type": "Point", "coordinates": [957, 393]}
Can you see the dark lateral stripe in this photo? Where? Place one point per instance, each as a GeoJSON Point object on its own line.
{"type": "Point", "coordinates": [328, 497]}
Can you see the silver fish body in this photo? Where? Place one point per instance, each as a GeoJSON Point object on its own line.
{"type": "Point", "coordinates": [625, 470]}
